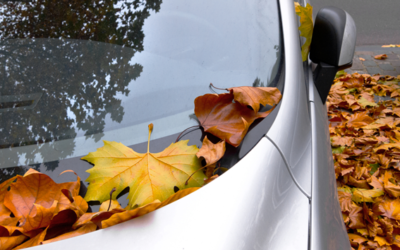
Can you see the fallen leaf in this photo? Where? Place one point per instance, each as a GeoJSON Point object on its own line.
{"type": "Point", "coordinates": [29, 193]}
{"type": "Point", "coordinates": [306, 27]}
{"type": "Point", "coordinates": [364, 102]}
{"type": "Point", "coordinates": [7, 243]}
{"type": "Point", "coordinates": [40, 217]}
{"type": "Point", "coordinates": [35, 241]}
{"type": "Point", "coordinates": [356, 217]}
{"type": "Point", "coordinates": [87, 228]}
{"type": "Point", "coordinates": [366, 195]}
{"type": "Point", "coordinates": [109, 205]}
{"type": "Point", "coordinates": [359, 120]}
{"type": "Point", "coordinates": [387, 146]}
{"type": "Point", "coordinates": [345, 201]}
{"type": "Point", "coordinates": [392, 189]}
{"type": "Point", "coordinates": [374, 182]}
{"type": "Point", "coordinates": [390, 208]}
{"type": "Point", "coordinates": [149, 176]}
{"type": "Point", "coordinates": [223, 118]}
{"type": "Point", "coordinates": [337, 141]}
{"type": "Point", "coordinates": [362, 59]}
{"type": "Point", "coordinates": [381, 241]}
{"type": "Point", "coordinates": [254, 96]}
{"type": "Point", "coordinates": [130, 214]}
{"type": "Point", "coordinates": [356, 239]}
{"type": "Point", "coordinates": [380, 57]}
{"type": "Point", "coordinates": [4, 211]}
{"type": "Point", "coordinates": [72, 186]}
{"type": "Point", "coordinates": [211, 152]}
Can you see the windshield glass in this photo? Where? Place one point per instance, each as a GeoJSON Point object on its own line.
{"type": "Point", "coordinates": [74, 73]}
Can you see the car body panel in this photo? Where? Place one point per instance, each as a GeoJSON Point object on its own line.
{"type": "Point", "coordinates": [291, 130]}
{"type": "Point", "coordinates": [327, 228]}
{"type": "Point", "coordinates": [255, 205]}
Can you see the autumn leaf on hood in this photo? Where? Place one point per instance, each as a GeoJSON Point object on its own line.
{"type": "Point", "coordinates": [130, 214]}
{"type": "Point", "coordinates": [306, 27]}
{"type": "Point", "coordinates": [380, 57]}
{"type": "Point", "coordinates": [225, 119]}
{"type": "Point", "coordinates": [211, 153]}
{"type": "Point", "coordinates": [149, 176]}
{"type": "Point", "coordinates": [33, 199]}
{"type": "Point", "coordinates": [254, 96]}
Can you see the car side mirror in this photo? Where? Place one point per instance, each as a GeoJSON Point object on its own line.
{"type": "Point", "coordinates": [332, 46]}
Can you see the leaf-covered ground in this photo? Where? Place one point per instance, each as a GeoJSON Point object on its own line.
{"type": "Point", "coordinates": [364, 114]}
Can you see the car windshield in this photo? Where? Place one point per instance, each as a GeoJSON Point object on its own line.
{"type": "Point", "coordinates": [74, 73]}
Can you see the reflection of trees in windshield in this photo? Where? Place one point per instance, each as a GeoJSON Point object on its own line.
{"type": "Point", "coordinates": [111, 21]}
{"type": "Point", "coordinates": [51, 87]}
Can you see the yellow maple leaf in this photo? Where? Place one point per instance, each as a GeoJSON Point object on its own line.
{"type": "Point", "coordinates": [365, 195]}
{"type": "Point", "coordinates": [149, 176]}
{"type": "Point", "coordinates": [364, 102]}
{"type": "Point", "coordinates": [306, 27]}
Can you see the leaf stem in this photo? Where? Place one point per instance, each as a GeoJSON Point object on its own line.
{"type": "Point", "coordinates": [112, 191]}
{"type": "Point", "coordinates": [186, 182]}
{"type": "Point", "coordinates": [148, 141]}
{"type": "Point", "coordinates": [179, 136]}
{"type": "Point", "coordinates": [211, 85]}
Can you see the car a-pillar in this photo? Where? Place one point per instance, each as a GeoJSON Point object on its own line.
{"type": "Point", "coordinates": [332, 46]}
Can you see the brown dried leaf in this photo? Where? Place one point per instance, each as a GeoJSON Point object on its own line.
{"type": "Point", "coordinates": [211, 152]}
{"type": "Point", "coordinates": [359, 120]}
{"type": "Point", "coordinates": [254, 96]}
{"type": "Point", "coordinates": [87, 228]}
{"type": "Point", "coordinates": [223, 118]}
{"type": "Point", "coordinates": [381, 57]}
{"type": "Point", "coordinates": [345, 201]}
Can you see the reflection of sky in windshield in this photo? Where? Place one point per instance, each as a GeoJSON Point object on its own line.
{"type": "Point", "coordinates": [187, 45]}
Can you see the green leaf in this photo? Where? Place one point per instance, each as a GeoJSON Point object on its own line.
{"type": "Point", "coordinates": [340, 73]}
{"type": "Point", "coordinates": [374, 167]}
{"type": "Point", "coordinates": [338, 150]}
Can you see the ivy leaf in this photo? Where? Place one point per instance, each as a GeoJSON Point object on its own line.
{"type": "Point", "coordinates": [149, 176]}
{"type": "Point", "coordinates": [306, 27]}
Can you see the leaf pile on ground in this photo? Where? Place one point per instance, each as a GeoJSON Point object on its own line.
{"type": "Point", "coordinates": [364, 114]}
{"type": "Point", "coordinates": [35, 210]}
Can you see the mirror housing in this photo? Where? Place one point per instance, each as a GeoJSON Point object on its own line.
{"type": "Point", "coordinates": [332, 46]}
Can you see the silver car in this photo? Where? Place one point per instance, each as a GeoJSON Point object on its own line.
{"type": "Point", "coordinates": [72, 77]}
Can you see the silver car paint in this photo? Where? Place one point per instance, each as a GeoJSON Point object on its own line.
{"type": "Point", "coordinates": [327, 228]}
{"type": "Point", "coordinates": [349, 41]}
{"type": "Point", "coordinates": [291, 130]}
{"type": "Point", "coordinates": [255, 205]}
